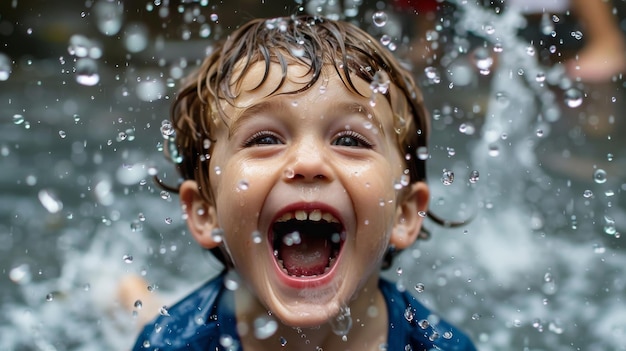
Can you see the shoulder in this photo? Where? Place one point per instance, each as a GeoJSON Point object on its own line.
{"type": "Point", "coordinates": [190, 324]}
{"type": "Point", "coordinates": [413, 324]}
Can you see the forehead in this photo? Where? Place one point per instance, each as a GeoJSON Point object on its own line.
{"type": "Point", "coordinates": [260, 83]}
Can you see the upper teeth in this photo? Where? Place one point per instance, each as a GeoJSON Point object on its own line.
{"type": "Point", "coordinates": [313, 215]}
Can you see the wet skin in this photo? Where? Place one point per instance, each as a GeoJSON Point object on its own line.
{"type": "Point", "coordinates": [324, 149]}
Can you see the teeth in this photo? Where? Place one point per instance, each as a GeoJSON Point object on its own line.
{"type": "Point", "coordinates": [285, 217]}
{"type": "Point", "coordinates": [302, 215]}
{"type": "Point", "coordinates": [316, 215]}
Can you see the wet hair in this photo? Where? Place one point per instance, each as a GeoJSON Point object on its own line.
{"type": "Point", "coordinates": [313, 42]}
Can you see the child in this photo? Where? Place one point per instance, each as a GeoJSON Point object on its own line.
{"type": "Point", "coordinates": [297, 141]}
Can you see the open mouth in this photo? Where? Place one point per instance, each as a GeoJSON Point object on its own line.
{"type": "Point", "coordinates": [306, 243]}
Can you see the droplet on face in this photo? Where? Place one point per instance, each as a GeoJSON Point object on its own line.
{"type": "Point", "coordinates": [379, 18]}
{"type": "Point", "coordinates": [256, 237]}
{"type": "Point", "coordinates": [380, 83]}
{"type": "Point", "coordinates": [599, 176]}
{"type": "Point", "coordinates": [342, 323]}
{"type": "Point", "coordinates": [264, 327]}
{"type": "Point", "coordinates": [243, 185]}
{"type": "Point", "coordinates": [217, 170]}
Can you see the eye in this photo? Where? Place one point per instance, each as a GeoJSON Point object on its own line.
{"type": "Point", "coordinates": [350, 138]}
{"type": "Point", "coordinates": [262, 138]}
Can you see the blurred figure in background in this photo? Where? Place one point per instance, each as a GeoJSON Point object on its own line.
{"type": "Point", "coordinates": [604, 53]}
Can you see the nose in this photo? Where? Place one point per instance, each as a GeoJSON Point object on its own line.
{"type": "Point", "coordinates": [308, 162]}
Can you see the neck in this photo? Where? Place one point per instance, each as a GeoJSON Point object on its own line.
{"type": "Point", "coordinates": [368, 314]}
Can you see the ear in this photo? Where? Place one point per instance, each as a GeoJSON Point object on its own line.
{"type": "Point", "coordinates": [201, 215]}
{"type": "Point", "coordinates": [408, 221]}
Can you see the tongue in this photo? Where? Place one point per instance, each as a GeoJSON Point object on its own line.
{"type": "Point", "coordinates": [309, 257]}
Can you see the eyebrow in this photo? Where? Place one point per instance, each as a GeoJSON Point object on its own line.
{"type": "Point", "coordinates": [364, 111]}
{"type": "Point", "coordinates": [251, 111]}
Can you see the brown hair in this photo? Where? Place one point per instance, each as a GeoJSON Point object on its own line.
{"type": "Point", "coordinates": [306, 40]}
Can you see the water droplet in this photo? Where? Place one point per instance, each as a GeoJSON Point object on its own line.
{"type": "Point", "coordinates": [127, 258]}
{"type": "Point", "coordinates": [217, 170]}
{"type": "Point", "coordinates": [451, 151]}
{"type": "Point", "coordinates": [379, 18]}
{"type": "Point", "coordinates": [168, 220]}
{"type": "Point", "coordinates": [541, 77]}
{"type": "Point", "coordinates": [409, 314]}
{"type": "Point", "coordinates": [467, 128]}
{"type": "Point", "coordinates": [380, 82]}
{"type": "Point", "coordinates": [587, 194]}
{"type": "Point", "coordinates": [420, 287]}
{"type": "Point", "coordinates": [135, 37]}
{"type": "Point", "coordinates": [146, 344]}
{"type": "Point", "coordinates": [165, 195]}
{"type": "Point", "coordinates": [474, 176]}
{"type": "Point", "coordinates": [609, 225]}
{"type": "Point", "coordinates": [342, 323]}
{"type": "Point", "coordinates": [231, 280]}
{"type": "Point", "coordinates": [138, 304]}
{"type": "Point", "coordinates": [292, 238]}
{"type": "Point", "coordinates": [50, 201]}
{"type": "Point", "coordinates": [422, 214]}
{"type": "Point", "coordinates": [423, 323]}
{"type": "Point", "coordinates": [5, 67]}
{"type": "Point", "coordinates": [432, 74]}
{"type": "Point", "coordinates": [217, 234]}
{"type": "Point", "coordinates": [49, 297]}
{"type": "Point", "coordinates": [243, 185]}
{"type": "Point", "coordinates": [150, 90]}
{"type": "Point", "coordinates": [422, 153]}
{"type": "Point", "coordinates": [385, 39]}
{"type": "Point", "coordinates": [573, 97]}
{"type": "Point", "coordinates": [18, 119]}
{"type": "Point", "coordinates": [87, 72]}
{"type": "Point", "coordinates": [163, 311]}
{"type": "Point", "coordinates": [599, 176]}
{"type": "Point", "coordinates": [289, 173]}
{"type": "Point", "coordinates": [20, 274]}
{"type": "Point", "coordinates": [282, 341]}
{"type": "Point", "coordinates": [475, 316]}
{"type": "Point", "coordinates": [494, 151]}
{"type": "Point", "coordinates": [539, 133]}
{"type": "Point", "coordinates": [256, 237]}
{"type": "Point", "coordinates": [264, 327]}
{"type": "Point", "coordinates": [167, 129]}
{"type": "Point", "coordinates": [577, 34]}
{"type": "Point", "coordinates": [447, 177]}
{"type": "Point", "coordinates": [109, 15]}
{"type": "Point", "coordinates": [548, 277]}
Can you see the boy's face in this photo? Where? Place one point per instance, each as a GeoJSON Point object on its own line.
{"type": "Point", "coordinates": [306, 192]}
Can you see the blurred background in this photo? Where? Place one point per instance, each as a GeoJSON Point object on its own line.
{"type": "Point", "coordinates": [526, 104]}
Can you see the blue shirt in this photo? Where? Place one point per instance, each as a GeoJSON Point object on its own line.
{"type": "Point", "coordinates": [205, 320]}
